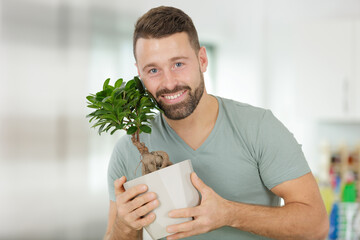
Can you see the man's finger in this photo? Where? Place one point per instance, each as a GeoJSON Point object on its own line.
{"type": "Point", "coordinates": [118, 184]}
{"type": "Point", "coordinates": [145, 221]}
{"type": "Point", "coordinates": [198, 183]}
{"type": "Point", "coordinates": [134, 191]}
{"type": "Point", "coordinates": [182, 227]}
{"type": "Point", "coordinates": [183, 213]}
{"type": "Point", "coordinates": [142, 211]}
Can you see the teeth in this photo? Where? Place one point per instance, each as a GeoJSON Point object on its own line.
{"type": "Point", "coordinates": [173, 96]}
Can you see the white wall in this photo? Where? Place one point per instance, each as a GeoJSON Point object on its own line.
{"type": "Point", "coordinates": [309, 62]}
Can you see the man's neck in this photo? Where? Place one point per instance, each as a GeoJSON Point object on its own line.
{"type": "Point", "coordinates": [196, 128]}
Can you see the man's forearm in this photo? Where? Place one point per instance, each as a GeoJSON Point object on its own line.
{"type": "Point", "coordinates": [293, 221]}
{"type": "Point", "coordinates": [120, 231]}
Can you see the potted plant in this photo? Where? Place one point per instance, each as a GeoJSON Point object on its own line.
{"type": "Point", "coordinates": [130, 107]}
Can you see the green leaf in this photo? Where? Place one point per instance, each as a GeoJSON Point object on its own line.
{"type": "Point", "coordinates": [92, 106]}
{"type": "Point", "coordinates": [145, 129]}
{"type": "Point", "coordinates": [120, 103]}
{"type": "Point", "coordinates": [117, 94]}
{"type": "Point", "coordinates": [132, 116]}
{"type": "Point", "coordinates": [118, 83]}
{"type": "Point", "coordinates": [106, 99]}
{"type": "Point", "coordinates": [133, 102]}
{"type": "Point", "coordinates": [90, 115]}
{"type": "Point", "coordinates": [100, 96]}
{"type": "Point", "coordinates": [101, 128]}
{"type": "Point", "coordinates": [121, 115]}
{"type": "Point", "coordinates": [109, 89]}
{"type": "Point", "coordinates": [143, 100]}
{"type": "Point", "coordinates": [143, 117]}
{"type": "Point", "coordinates": [106, 83]}
{"type": "Point", "coordinates": [98, 123]}
{"type": "Point", "coordinates": [91, 98]}
{"type": "Point", "coordinates": [113, 131]}
{"type": "Point", "coordinates": [108, 127]}
{"type": "Point", "coordinates": [101, 112]}
{"type": "Point", "coordinates": [139, 85]}
{"type": "Point", "coordinates": [130, 84]}
{"type": "Point", "coordinates": [132, 130]}
{"type": "Point", "coordinates": [107, 106]}
{"type": "Point", "coordinates": [92, 119]}
{"type": "Point", "coordinates": [109, 117]}
{"type": "Point", "coordinates": [145, 110]}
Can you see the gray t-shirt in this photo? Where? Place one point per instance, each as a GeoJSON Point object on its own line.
{"type": "Point", "coordinates": [247, 153]}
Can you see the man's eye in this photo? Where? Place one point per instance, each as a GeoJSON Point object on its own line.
{"type": "Point", "coordinates": [153, 70]}
{"type": "Point", "coordinates": [178, 64]}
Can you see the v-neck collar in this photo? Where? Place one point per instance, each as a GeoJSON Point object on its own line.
{"type": "Point", "coordinates": [207, 141]}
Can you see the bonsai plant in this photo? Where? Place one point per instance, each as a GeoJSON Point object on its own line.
{"type": "Point", "coordinates": [127, 106]}
{"type": "Point", "coordinates": [130, 107]}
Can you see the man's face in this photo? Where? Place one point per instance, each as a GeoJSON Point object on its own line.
{"type": "Point", "coordinates": [172, 72]}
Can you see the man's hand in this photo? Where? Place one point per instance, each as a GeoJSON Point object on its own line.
{"type": "Point", "coordinates": [212, 213]}
{"type": "Point", "coordinates": [131, 208]}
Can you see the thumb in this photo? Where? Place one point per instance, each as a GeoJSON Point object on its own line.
{"type": "Point", "coordinates": [118, 184]}
{"type": "Point", "coordinates": [198, 183]}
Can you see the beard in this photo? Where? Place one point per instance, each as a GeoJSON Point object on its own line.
{"type": "Point", "coordinates": [185, 108]}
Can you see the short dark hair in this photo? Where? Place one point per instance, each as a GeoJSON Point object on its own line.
{"type": "Point", "coordinates": [162, 22]}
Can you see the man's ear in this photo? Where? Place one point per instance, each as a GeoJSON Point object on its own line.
{"type": "Point", "coordinates": [137, 67]}
{"type": "Point", "coordinates": [203, 60]}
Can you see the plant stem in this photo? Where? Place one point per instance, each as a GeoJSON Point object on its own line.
{"type": "Point", "coordinates": [140, 146]}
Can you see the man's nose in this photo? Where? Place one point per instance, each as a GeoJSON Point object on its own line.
{"type": "Point", "coordinates": [169, 80]}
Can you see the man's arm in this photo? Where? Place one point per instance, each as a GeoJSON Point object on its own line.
{"type": "Point", "coordinates": [126, 215]}
{"type": "Point", "coordinates": [302, 217]}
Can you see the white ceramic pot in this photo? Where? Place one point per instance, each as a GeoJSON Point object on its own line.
{"type": "Point", "coordinates": [174, 190]}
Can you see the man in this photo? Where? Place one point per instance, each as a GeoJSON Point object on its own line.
{"type": "Point", "coordinates": [245, 159]}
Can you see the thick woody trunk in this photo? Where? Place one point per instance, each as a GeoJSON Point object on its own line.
{"type": "Point", "coordinates": [151, 161]}
{"type": "Point", "coordinates": [139, 145]}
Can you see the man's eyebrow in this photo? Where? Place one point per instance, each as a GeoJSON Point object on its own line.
{"type": "Point", "coordinates": [150, 65]}
{"type": "Point", "coordinates": [178, 58]}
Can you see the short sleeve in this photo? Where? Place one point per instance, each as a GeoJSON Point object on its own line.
{"type": "Point", "coordinates": [280, 157]}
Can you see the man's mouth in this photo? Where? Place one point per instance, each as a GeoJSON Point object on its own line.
{"type": "Point", "coordinates": [174, 96]}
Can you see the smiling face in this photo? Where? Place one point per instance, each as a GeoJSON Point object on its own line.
{"type": "Point", "coordinates": [172, 72]}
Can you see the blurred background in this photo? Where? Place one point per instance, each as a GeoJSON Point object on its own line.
{"type": "Point", "coordinates": [299, 58]}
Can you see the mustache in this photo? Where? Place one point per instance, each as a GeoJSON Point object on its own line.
{"type": "Point", "coordinates": [176, 89]}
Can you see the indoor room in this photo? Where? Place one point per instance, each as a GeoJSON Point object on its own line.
{"type": "Point", "coordinates": [300, 59]}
